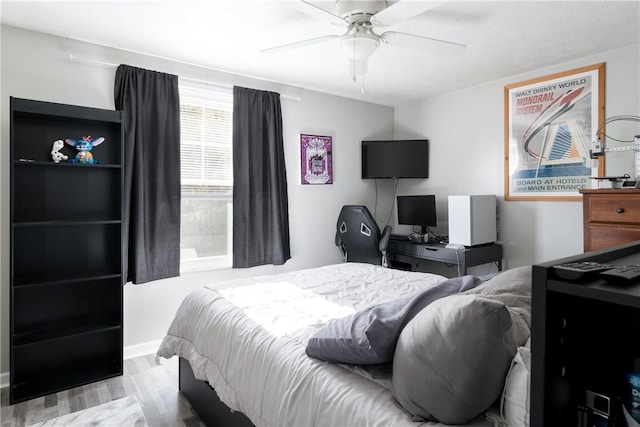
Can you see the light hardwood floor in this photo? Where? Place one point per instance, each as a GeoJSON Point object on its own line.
{"type": "Point", "coordinates": [154, 386]}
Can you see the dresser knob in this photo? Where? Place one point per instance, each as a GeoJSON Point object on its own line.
{"type": "Point", "coordinates": [620, 210]}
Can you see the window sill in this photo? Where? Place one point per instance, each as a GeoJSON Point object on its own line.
{"type": "Point", "coordinates": [201, 264]}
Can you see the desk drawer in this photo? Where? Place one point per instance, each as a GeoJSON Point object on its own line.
{"type": "Point", "coordinates": [615, 209]}
{"type": "Point", "coordinates": [426, 251]}
{"type": "Point", "coordinates": [443, 255]}
{"type": "Point", "coordinates": [405, 248]}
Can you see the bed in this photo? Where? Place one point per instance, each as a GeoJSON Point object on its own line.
{"type": "Point", "coordinates": [271, 350]}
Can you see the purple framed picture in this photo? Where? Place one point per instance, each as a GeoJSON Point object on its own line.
{"type": "Point", "coordinates": [316, 159]}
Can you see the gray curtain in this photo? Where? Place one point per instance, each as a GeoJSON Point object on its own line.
{"type": "Point", "coordinates": [151, 105]}
{"type": "Point", "coordinates": [260, 204]}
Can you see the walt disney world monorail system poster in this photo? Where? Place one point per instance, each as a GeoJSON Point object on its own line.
{"type": "Point", "coordinates": [549, 125]}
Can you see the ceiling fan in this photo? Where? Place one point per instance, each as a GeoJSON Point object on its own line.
{"type": "Point", "coordinates": [362, 19]}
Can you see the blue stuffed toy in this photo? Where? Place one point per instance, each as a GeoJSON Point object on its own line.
{"type": "Point", "coordinates": [84, 147]}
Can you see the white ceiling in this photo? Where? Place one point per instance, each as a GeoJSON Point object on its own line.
{"type": "Point", "coordinates": [503, 38]}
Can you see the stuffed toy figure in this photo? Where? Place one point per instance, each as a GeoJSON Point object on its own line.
{"type": "Point", "coordinates": [56, 155]}
{"type": "Point", "coordinates": [84, 147]}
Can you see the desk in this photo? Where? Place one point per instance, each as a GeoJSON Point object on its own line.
{"type": "Point", "coordinates": [467, 257]}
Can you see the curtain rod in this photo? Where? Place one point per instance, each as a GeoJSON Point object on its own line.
{"type": "Point", "coordinates": [76, 58]}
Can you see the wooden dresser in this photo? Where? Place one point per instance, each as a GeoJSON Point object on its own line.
{"type": "Point", "coordinates": [610, 217]}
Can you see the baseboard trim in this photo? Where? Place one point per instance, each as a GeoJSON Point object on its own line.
{"type": "Point", "coordinates": [4, 379]}
{"type": "Point", "coordinates": [129, 352]}
{"type": "Point", "coordinates": [143, 349]}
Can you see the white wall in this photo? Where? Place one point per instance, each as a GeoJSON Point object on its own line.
{"type": "Point", "coordinates": [35, 66]}
{"type": "Point", "coordinates": [466, 131]}
{"type": "Point", "coordinates": [467, 151]}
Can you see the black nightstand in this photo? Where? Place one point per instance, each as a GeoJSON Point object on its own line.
{"type": "Point", "coordinates": [585, 336]}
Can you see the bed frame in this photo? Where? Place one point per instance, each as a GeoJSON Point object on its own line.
{"type": "Point", "coordinates": [205, 402]}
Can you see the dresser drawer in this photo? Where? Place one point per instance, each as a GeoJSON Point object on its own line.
{"type": "Point", "coordinates": [604, 236]}
{"type": "Point", "coordinates": [614, 209]}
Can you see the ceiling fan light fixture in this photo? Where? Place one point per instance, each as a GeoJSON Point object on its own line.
{"type": "Point", "coordinates": [359, 46]}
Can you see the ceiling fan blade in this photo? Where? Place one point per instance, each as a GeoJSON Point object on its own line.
{"type": "Point", "coordinates": [298, 44]}
{"type": "Point", "coordinates": [401, 11]}
{"type": "Point", "coordinates": [423, 44]}
{"type": "Point", "coordinates": [316, 11]}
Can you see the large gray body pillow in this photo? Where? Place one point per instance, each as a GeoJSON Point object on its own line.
{"type": "Point", "coordinates": [451, 359]}
{"type": "Point", "coordinates": [370, 335]}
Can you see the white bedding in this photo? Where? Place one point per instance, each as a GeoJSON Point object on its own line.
{"type": "Point", "coordinates": [247, 338]}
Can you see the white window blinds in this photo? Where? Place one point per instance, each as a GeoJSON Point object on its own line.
{"type": "Point", "coordinates": [206, 147]}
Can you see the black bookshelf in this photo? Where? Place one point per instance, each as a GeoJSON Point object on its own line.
{"type": "Point", "coordinates": [66, 250]}
{"type": "Point", "coordinates": [585, 336]}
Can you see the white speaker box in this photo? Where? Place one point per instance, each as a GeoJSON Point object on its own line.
{"type": "Point", "coordinates": [472, 219]}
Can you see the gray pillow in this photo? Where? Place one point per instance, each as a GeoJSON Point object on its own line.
{"type": "Point", "coordinates": [512, 288]}
{"type": "Point", "coordinates": [370, 335]}
{"type": "Point", "coordinates": [452, 358]}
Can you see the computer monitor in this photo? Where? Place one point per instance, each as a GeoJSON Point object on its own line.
{"type": "Point", "coordinates": [417, 210]}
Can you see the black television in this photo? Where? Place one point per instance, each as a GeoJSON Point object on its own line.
{"type": "Point", "coordinates": [417, 210]}
{"type": "Point", "coordinates": [407, 158]}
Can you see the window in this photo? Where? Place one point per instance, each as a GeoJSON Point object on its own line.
{"type": "Point", "coordinates": [206, 178]}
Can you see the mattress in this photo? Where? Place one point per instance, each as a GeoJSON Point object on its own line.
{"type": "Point", "coordinates": [247, 339]}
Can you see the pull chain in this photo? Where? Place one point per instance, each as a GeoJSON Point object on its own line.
{"type": "Point", "coordinates": [354, 57]}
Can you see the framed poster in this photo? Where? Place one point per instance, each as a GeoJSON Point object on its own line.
{"type": "Point", "coordinates": [316, 159]}
{"type": "Point", "coordinates": [550, 123]}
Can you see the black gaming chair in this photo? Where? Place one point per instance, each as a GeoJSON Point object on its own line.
{"type": "Point", "coordinates": [359, 238]}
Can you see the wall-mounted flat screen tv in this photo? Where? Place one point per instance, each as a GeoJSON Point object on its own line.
{"type": "Point", "coordinates": [407, 158]}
